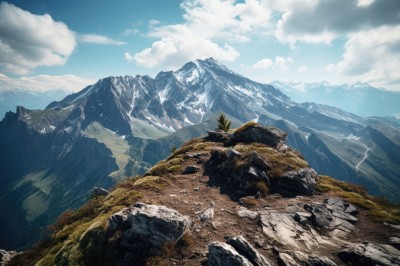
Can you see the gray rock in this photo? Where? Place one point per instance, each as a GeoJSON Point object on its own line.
{"type": "Point", "coordinates": [193, 155]}
{"type": "Point", "coordinates": [217, 135]}
{"type": "Point", "coordinates": [119, 221]}
{"type": "Point", "coordinates": [233, 178]}
{"type": "Point", "coordinates": [319, 261]}
{"type": "Point", "coordinates": [190, 169]}
{"type": "Point", "coordinates": [98, 191]}
{"type": "Point", "coordinates": [148, 227]}
{"type": "Point", "coordinates": [321, 216]}
{"type": "Point", "coordinates": [293, 183]}
{"type": "Point", "coordinates": [270, 136]}
{"type": "Point", "coordinates": [244, 212]}
{"type": "Point", "coordinates": [6, 256]}
{"type": "Point", "coordinates": [370, 253]}
{"type": "Point", "coordinates": [285, 259]}
{"type": "Point", "coordinates": [302, 217]}
{"type": "Point", "coordinates": [221, 254]}
{"type": "Point", "coordinates": [342, 209]}
{"type": "Point", "coordinates": [244, 248]}
{"type": "Point", "coordinates": [395, 241]}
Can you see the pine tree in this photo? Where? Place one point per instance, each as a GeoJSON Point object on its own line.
{"type": "Point", "coordinates": [223, 123]}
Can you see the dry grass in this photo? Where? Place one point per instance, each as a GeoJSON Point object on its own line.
{"type": "Point", "coordinates": [245, 126]}
{"type": "Point", "coordinates": [166, 166]}
{"type": "Point", "coordinates": [248, 201]}
{"type": "Point", "coordinates": [151, 182]}
{"type": "Point", "coordinates": [377, 208]}
{"type": "Point", "coordinates": [279, 161]}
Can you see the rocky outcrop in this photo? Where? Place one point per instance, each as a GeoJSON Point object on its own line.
{"type": "Point", "coordinates": [293, 183]}
{"type": "Point", "coordinates": [237, 251]}
{"type": "Point", "coordinates": [147, 228]}
{"type": "Point", "coordinates": [217, 135]}
{"type": "Point", "coordinates": [270, 136]}
{"type": "Point", "coordinates": [299, 225]}
{"type": "Point", "coordinates": [370, 253]}
{"type": "Point", "coordinates": [221, 254]}
{"type": "Point", "coordinates": [6, 256]}
{"type": "Point", "coordinates": [236, 179]}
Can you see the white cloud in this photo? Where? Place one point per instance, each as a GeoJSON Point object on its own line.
{"type": "Point", "coordinates": [263, 64]}
{"type": "Point", "coordinates": [45, 82]}
{"type": "Point", "coordinates": [372, 56]}
{"type": "Point", "coordinates": [28, 41]}
{"type": "Point", "coordinates": [210, 29]}
{"type": "Point", "coordinates": [99, 39]}
{"type": "Point", "coordinates": [279, 64]}
{"type": "Point", "coordinates": [364, 3]}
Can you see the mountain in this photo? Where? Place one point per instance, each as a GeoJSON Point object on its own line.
{"type": "Point", "coordinates": [120, 126]}
{"type": "Point", "coordinates": [237, 198]}
{"type": "Point", "coordinates": [10, 99]}
{"type": "Point", "coordinates": [360, 98]}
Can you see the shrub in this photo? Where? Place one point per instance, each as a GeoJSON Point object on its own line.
{"type": "Point", "coordinates": [223, 123]}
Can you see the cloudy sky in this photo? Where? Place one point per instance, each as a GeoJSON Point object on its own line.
{"type": "Point", "coordinates": [46, 44]}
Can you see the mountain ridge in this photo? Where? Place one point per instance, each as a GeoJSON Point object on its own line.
{"type": "Point", "coordinates": [143, 127]}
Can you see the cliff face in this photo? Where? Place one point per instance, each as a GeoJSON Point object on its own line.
{"type": "Point", "coordinates": [239, 198]}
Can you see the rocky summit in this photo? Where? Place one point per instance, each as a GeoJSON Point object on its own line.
{"type": "Point", "coordinates": [226, 199]}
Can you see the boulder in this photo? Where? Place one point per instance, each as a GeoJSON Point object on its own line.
{"type": "Point", "coordinates": [98, 191]}
{"type": "Point", "coordinates": [244, 248]}
{"type": "Point", "coordinates": [221, 254]}
{"type": "Point", "coordinates": [370, 253]}
{"type": "Point", "coordinates": [147, 228]}
{"type": "Point", "coordinates": [190, 170]}
{"type": "Point", "coordinates": [293, 183]}
{"type": "Point", "coordinates": [244, 212]}
{"type": "Point", "coordinates": [217, 135]}
{"type": "Point", "coordinates": [270, 136]}
{"type": "Point", "coordinates": [6, 256]}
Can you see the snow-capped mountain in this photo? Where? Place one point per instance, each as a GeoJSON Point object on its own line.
{"type": "Point", "coordinates": [359, 98]}
{"type": "Point", "coordinates": [120, 126]}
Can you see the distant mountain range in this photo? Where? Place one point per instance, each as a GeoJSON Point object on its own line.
{"type": "Point", "coordinates": [120, 126]}
{"type": "Point", "coordinates": [359, 98]}
{"type": "Point", "coordinates": [11, 98]}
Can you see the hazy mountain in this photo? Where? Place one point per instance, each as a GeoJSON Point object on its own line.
{"type": "Point", "coordinates": [120, 126]}
{"type": "Point", "coordinates": [359, 98]}
{"type": "Point", "coordinates": [10, 99]}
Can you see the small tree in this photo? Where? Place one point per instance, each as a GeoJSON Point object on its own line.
{"type": "Point", "coordinates": [223, 123]}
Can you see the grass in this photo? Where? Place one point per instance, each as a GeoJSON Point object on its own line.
{"type": "Point", "coordinates": [377, 208]}
{"type": "Point", "coordinates": [280, 161]}
{"type": "Point", "coordinates": [248, 201]}
{"type": "Point", "coordinates": [245, 126]}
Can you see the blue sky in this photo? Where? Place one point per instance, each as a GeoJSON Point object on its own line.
{"type": "Point", "coordinates": [47, 44]}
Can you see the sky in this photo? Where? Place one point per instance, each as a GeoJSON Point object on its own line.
{"type": "Point", "coordinates": [47, 44]}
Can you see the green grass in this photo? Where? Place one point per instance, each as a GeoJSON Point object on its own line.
{"type": "Point", "coordinates": [118, 146]}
